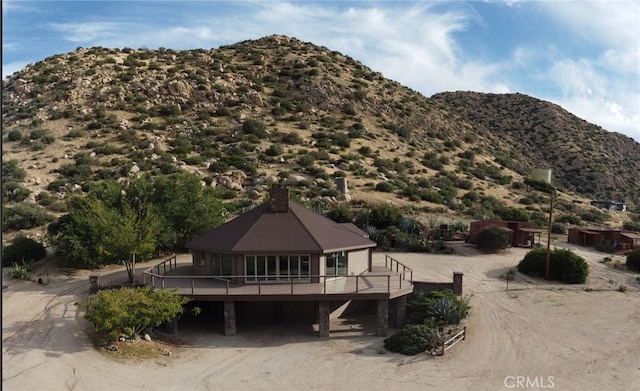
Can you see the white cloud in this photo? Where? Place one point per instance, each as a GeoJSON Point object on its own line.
{"type": "Point", "coordinates": [614, 25]}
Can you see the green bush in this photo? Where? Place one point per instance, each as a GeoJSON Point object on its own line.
{"type": "Point", "coordinates": [341, 214]}
{"type": "Point", "coordinates": [255, 127]}
{"type": "Point", "coordinates": [534, 262]}
{"type": "Point", "coordinates": [540, 186]}
{"type": "Point", "coordinates": [25, 216]}
{"type": "Point", "coordinates": [22, 249]}
{"type": "Point", "coordinates": [558, 228]}
{"type": "Point", "coordinates": [21, 271]}
{"type": "Point", "coordinates": [569, 219]}
{"type": "Point", "coordinates": [132, 311]}
{"type": "Point", "coordinates": [493, 239]}
{"type": "Point", "coordinates": [436, 307]}
{"type": "Point", "coordinates": [564, 265]}
{"type": "Point", "coordinates": [631, 226]}
{"type": "Point", "coordinates": [412, 339]}
{"type": "Point", "coordinates": [383, 216]}
{"type": "Point", "coordinates": [14, 135]}
{"type": "Point", "coordinates": [385, 187]}
{"type": "Point", "coordinates": [633, 260]}
{"type": "Point", "coordinates": [605, 246]}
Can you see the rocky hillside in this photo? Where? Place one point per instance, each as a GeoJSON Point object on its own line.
{"type": "Point", "coordinates": [585, 158]}
{"type": "Point", "coordinates": [276, 110]}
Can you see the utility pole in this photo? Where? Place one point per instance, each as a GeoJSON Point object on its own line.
{"type": "Point", "coordinates": [546, 270]}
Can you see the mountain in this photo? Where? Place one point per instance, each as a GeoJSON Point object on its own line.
{"type": "Point", "coordinates": [277, 109]}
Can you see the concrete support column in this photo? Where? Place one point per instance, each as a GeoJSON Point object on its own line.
{"type": "Point", "coordinates": [229, 318]}
{"type": "Point", "coordinates": [398, 312]}
{"type": "Point", "coordinates": [323, 319]}
{"type": "Point", "coordinates": [172, 326]}
{"type": "Point", "coordinates": [457, 283]}
{"type": "Point", "coordinates": [382, 318]}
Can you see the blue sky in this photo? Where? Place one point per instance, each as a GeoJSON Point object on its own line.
{"type": "Point", "coordinates": [582, 55]}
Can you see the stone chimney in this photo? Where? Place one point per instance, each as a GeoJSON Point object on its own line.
{"type": "Point", "coordinates": [279, 200]}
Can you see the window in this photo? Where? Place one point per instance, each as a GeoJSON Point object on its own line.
{"type": "Point", "coordinates": [277, 268]}
{"type": "Point", "coordinates": [221, 264]}
{"type": "Point", "coordinates": [201, 258]}
{"type": "Point", "coordinates": [337, 264]}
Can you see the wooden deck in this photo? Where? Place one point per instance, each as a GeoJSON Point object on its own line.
{"type": "Point", "coordinates": [390, 281]}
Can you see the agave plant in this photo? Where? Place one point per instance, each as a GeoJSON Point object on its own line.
{"type": "Point", "coordinates": [444, 311]}
{"type": "Point", "coordinates": [409, 225]}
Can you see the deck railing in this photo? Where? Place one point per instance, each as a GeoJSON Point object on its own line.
{"type": "Point", "coordinates": [390, 262]}
{"type": "Point", "coordinates": [323, 284]}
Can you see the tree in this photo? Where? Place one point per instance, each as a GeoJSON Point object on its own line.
{"type": "Point", "coordinates": [131, 311]}
{"type": "Point", "coordinates": [187, 209]}
{"type": "Point", "coordinates": [633, 260]}
{"type": "Point", "coordinates": [22, 249]}
{"type": "Point", "coordinates": [95, 233]}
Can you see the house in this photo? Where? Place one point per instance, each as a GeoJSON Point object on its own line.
{"type": "Point", "coordinates": [521, 233]}
{"type": "Point", "coordinates": [609, 205]}
{"type": "Point", "coordinates": [621, 239]}
{"type": "Point", "coordinates": [282, 260]}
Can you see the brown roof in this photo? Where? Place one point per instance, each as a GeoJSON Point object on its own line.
{"type": "Point", "coordinates": [535, 230]}
{"type": "Point", "coordinates": [298, 230]}
{"type": "Point", "coordinates": [630, 235]}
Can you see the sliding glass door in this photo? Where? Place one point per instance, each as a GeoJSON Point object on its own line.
{"type": "Point", "coordinates": [278, 268]}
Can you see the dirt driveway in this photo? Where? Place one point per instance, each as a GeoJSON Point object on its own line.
{"type": "Point", "coordinates": [535, 336]}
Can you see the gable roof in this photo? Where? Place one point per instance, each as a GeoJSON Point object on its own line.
{"type": "Point", "coordinates": [298, 230]}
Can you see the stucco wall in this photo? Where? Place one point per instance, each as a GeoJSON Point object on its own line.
{"type": "Point", "coordinates": [358, 261]}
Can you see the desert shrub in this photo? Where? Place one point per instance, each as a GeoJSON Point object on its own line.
{"type": "Point", "coordinates": [25, 216]}
{"type": "Point", "coordinates": [44, 198]}
{"type": "Point", "coordinates": [14, 135]}
{"type": "Point", "coordinates": [292, 138]}
{"type": "Point", "coordinates": [255, 127]}
{"type": "Point", "coordinates": [594, 216]}
{"type": "Point", "coordinates": [342, 213]}
{"type": "Point", "coordinates": [558, 228]}
{"type": "Point", "coordinates": [564, 265]}
{"type": "Point", "coordinates": [605, 246]}
{"type": "Point", "coordinates": [383, 216]}
{"type": "Point", "coordinates": [493, 238]}
{"type": "Point", "coordinates": [306, 160]}
{"type": "Point", "coordinates": [12, 171]}
{"type": "Point", "coordinates": [412, 339]}
{"type": "Point", "coordinates": [385, 187]}
{"type": "Point", "coordinates": [569, 219]}
{"type": "Point", "coordinates": [631, 225]}
{"type": "Point", "coordinates": [540, 185]}
{"type": "Point", "coordinates": [274, 150]}
{"type": "Point", "coordinates": [21, 271]}
{"type": "Point", "coordinates": [633, 260]}
{"type": "Point", "coordinates": [514, 214]}
{"type": "Point", "coordinates": [14, 191]}
{"type": "Point", "coordinates": [22, 249]}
